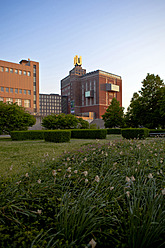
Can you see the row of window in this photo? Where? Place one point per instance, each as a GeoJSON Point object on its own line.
{"type": "Point", "coordinates": [49, 97]}
{"type": "Point", "coordinates": [51, 107]}
{"type": "Point", "coordinates": [18, 101]}
{"type": "Point", "coordinates": [11, 70]}
{"type": "Point", "coordinates": [11, 90]}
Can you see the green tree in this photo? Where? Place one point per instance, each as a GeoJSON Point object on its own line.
{"type": "Point", "coordinates": [60, 121]}
{"type": "Point", "coordinates": [83, 124]}
{"type": "Point", "coordinates": [14, 118]}
{"type": "Point", "coordinates": [113, 116]}
{"type": "Point", "coordinates": [146, 107]}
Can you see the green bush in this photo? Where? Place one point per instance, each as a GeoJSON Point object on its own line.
{"type": "Point", "coordinates": [89, 134]}
{"type": "Point", "coordinates": [28, 135]}
{"type": "Point", "coordinates": [113, 131]}
{"type": "Point", "coordinates": [57, 136]}
{"type": "Point", "coordinates": [0, 132]}
{"type": "Point", "coordinates": [135, 133]}
{"type": "Point", "coordinates": [93, 126]}
{"type": "Point", "coordinates": [156, 130]}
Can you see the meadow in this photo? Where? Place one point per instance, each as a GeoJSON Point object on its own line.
{"type": "Point", "coordinates": [111, 192]}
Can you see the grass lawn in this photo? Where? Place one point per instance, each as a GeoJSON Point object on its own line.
{"type": "Point", "coordinates": [18, 156]}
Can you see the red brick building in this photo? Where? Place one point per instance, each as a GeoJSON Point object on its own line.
{"type": "Point", "coordinates": [90, 94]}
{"type": "Point", "coordinates": [19, 83]}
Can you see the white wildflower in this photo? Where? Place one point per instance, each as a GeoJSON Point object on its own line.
{"type": "Point", "coordinates": [68, 159]}
{"type": "Point", "coordinates": [132, 178]}
{"type": "Point", "coordinates": [75, 171]}
{"type": "Point", "coordinates": [54, 173]}
{"type": "Point", "coordinates": [85, 173]}
{"type": "Point", "coordinates": [128, 193]}
{"type": "Point", "coordinates": [86, 180]}
{"type": "Point", "coordinates": [69, 169]}
{"type": "Point", "coordinates": [106, 154]}
{"type": "Point", "coordinates": [26, 175]}
{"type": "Point", "coordinates": [138, 162]}
{"type": "Point", "coordinates": [39, 211]}
{"type": "Point", "coordinates": [85, 159]}
{"type": "Point", "coordinates": [39, 181]}
{"type": "Point", "coordinates": [150, 175]}
{"type": "Point", "coordinates": [11, 167]}
{"type": "Point", "coordinates": [97, 179]}
{"type": "Point", "coordinates": [128, 179]}
{"type": "Point", "coordinates": [111, 188]}
{"type": "Point", "coordinates": [69, 175]}
{"type": "Point", "coordinates": [18, 182]}
{"type": "Point", "coordinates": [59, 170]}
{"type": "Point", "coordinates": [93, 243]}
{"type": "Point", "coordinates": [163, 191]}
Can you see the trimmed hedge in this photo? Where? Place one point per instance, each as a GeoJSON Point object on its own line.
{"type": "Point", "coordinates": [113, 131]}
{"type": "Point", "coordinates": [89, 133]}
{"type": "Point", "coordinates": [156, 130]}
{"type": "Point", "coordinates": [135, 133]}
{"type": "Point", "coordinates": [57, 136]}
{"type": "Point", "coordinates": [27, 135]}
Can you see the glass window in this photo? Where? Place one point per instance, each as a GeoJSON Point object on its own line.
{"type": "Point", "coordinates": [34, 97]}
{"type": "Point", "coordinates": [28, 73]}
{"type": "Point", "coordinates": [29, 92]}
{"type": "Point", "coordinates": [24, 73]}
{"type": "Point", "coordinates": [7, 69]}
{"type": "Point", "coordinates": [16, 90]}
{"type": "Point", "coordinates": [1, 99]}
{"type": "Point", "coordinates": [11, 70]}
{"type": "Point", "coordinates": [11, 90]}
{"type": "Point", "coordinates": [16, 71]}
{"type": "Point", "coordinates": [27, 103]}
{"type": "Point", "coordinates": [2, 89]}
{"type": "Point", "coordinates": [7, 89]}
{"type": "Point", "coordinates": [19, 102]}
{"type": "Point", "coordinates": [34, 105]}
{"type": "Point", "coordinates": [20, 72]}
{"type": "Point", "coordinates": [24, 92]}
{"type": "Point", "coordinates": [34, 79]}
{"type": "Point", "coordinates": [34, 68]}
{"type": "Point", "coordinates": [2, 69]}
{"type": "Point", "coordinates": [20, 91]}
{"type": "Point", "coordinates": [34, 88]}
{"type": "Point", "coordinates": [9, 100]}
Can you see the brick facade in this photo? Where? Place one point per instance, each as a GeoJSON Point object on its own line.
{"type": "Point", "coordinates": [90, 92]}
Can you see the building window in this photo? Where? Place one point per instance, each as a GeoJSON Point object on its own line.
{"type": "Point", "coordinates": [16, 71]}
{"type": "Point", "coordinates": [34, 68]}
{"type": "Point", "coordinates": [16, 90]}
{"type": "Point", "coordinates": [24, 92]}
{"type": "Point", "coordinates": [34, 88]}
{"type": "Point", "coordinates": [11, 70]}
{"type": "Point", "coordinates": [20, 72]}
{"type": "Point", "coordinates": [11, 90]}
{"type": "Point", "coordinates": [20, 91]}
{"type": "Point", "coordinates": [24, 73]}
{"type": "Point", "coordinates": [34, 97]}
{"type": "Point", "coordinates": [2, 69]}
{"type": "Point", "coordinates": [2, 89]}
{"type": "Point", "coordinates": [29, 92]}
{"type": "Point", "coordinates": [27, 103]}
{"type": "Point", "coordinates": [6, 69]}
{"type": "Point", "coordinates": [7, 89]}
{"type": "Point", "coordinates": [9, 100]}
{"type": "Point", "coordinates": [19, 102]}
{"type": "Point", "coordinates": [34, 79]}
{"type": "Point", "coordinates": [28, 73]}
{"type": "Point", "coordinates": [1, 99]}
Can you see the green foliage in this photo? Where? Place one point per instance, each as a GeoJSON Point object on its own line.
{"type": "Point", "coordinates": [60, 121]}
{"type": "Point", "coordinates": [112, 193]}
{"type": "Point", "coordinates": [113, 131]}
{"type": "Point", "coordinates": [135, 133]}
{"type": "Point", "coordinates": [14, 118]}
{"type": "Point", "coordinates": [156, 130]}
{"type": "Point", "coordinates": [82, 124]}
{"type": "Point", "coordinates": [27, 135]}
{"type": "Point", "coordinates": [57, 136]}
{"type": "Point", "coordinates": [93, 126]}
{"type": "Point", "coordinates": [147, 107]}
{"type": "Point", "coordinates": [113, 116]}
{"type": "Point", "coordinates": [89, 134]}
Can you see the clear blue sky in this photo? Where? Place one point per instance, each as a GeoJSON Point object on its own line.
{"type": "Point", "coordinates": [124, 37]}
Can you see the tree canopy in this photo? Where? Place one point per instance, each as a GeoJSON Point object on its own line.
{"type": "Point", "coordinates": [14, 118]}
{"type": "Point", "coordinates": [147, 106]}
{"type": "Point", "coordinates": [63, 121]}
{"type": "Point", "coordinates": [113, 116]}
